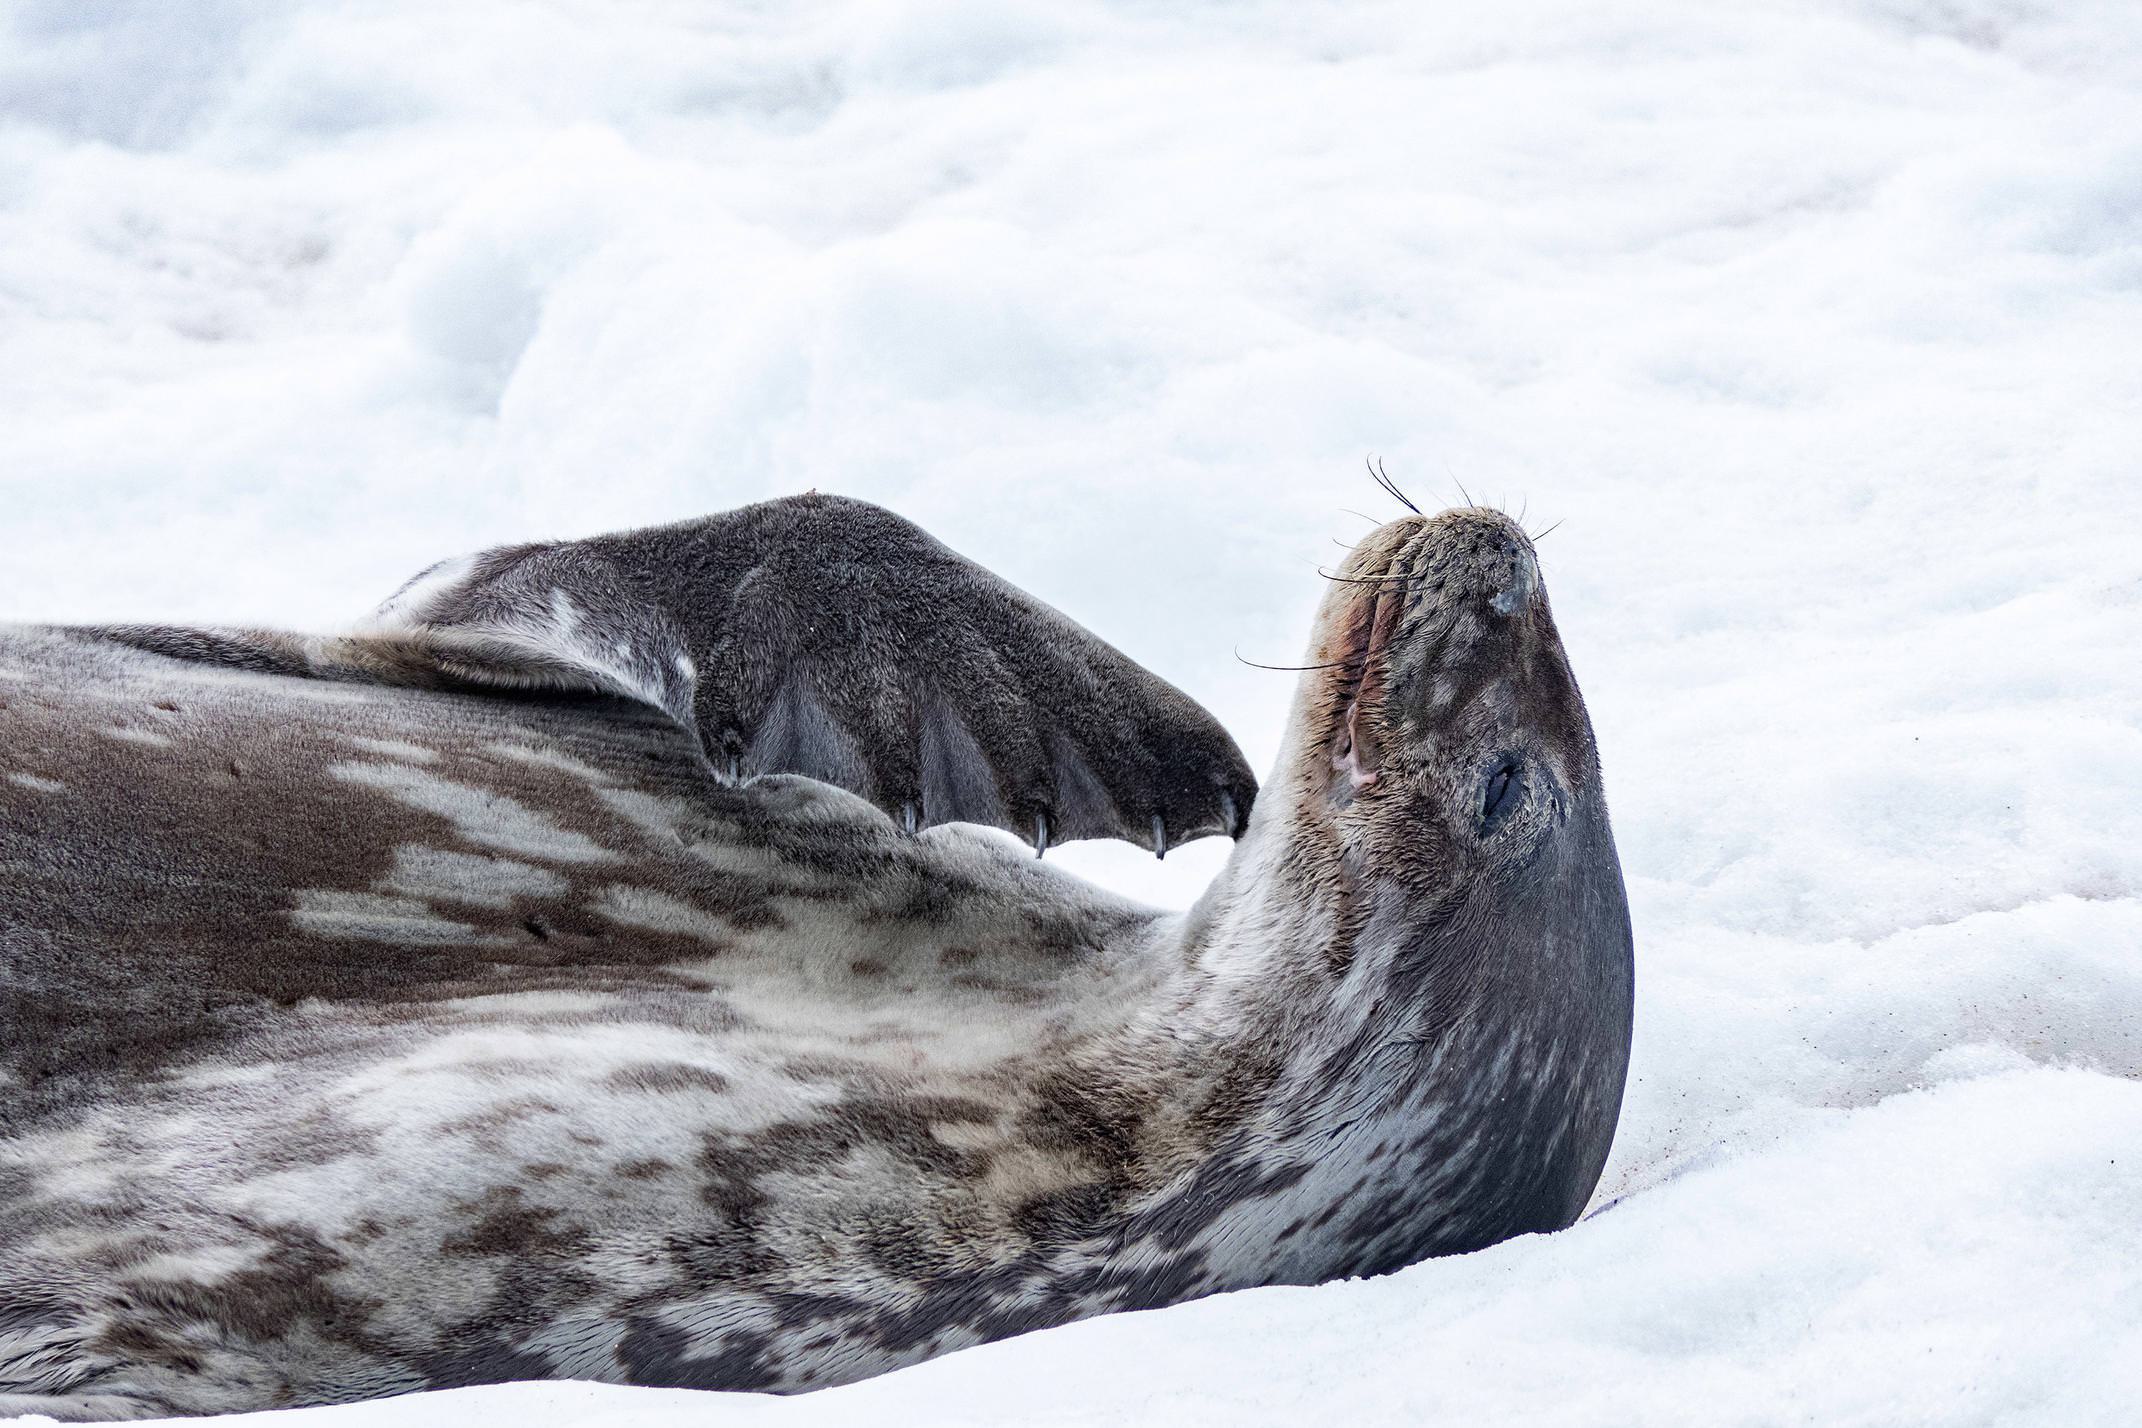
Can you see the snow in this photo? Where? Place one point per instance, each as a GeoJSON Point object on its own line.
{"type": "Point", "coordinates": [1815, 324]}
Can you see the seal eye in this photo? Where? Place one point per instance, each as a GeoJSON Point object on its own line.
{"type": "Point", "coordinates": [1501, 795]}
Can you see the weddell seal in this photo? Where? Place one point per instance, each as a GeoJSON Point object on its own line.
{"type": "Point", "coordinates": [563, 976]}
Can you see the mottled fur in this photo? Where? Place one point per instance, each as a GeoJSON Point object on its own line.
{"type": "Point", "coordinates": [361, 1035]}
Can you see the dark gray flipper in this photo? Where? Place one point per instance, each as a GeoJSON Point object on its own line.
{"type": "Point", "coordinates": [828, 637]}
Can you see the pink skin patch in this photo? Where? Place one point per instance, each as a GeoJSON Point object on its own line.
{"type": "Point", "coordinates": [1355, 753]}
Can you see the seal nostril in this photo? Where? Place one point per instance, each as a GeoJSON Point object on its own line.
{"type": "Point", "coordinates": [1520, 577]}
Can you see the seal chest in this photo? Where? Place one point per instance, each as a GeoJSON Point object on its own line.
{"type": "Point", "coordinates": [427, 1006]}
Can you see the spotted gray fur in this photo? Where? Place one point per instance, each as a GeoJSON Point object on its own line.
{"type": "Point", "coordinates": [427, 1007]}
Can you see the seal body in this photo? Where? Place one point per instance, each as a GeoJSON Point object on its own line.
{"type": "Point", "coordinates": [358, 1037]}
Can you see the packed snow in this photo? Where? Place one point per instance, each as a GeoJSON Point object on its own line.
{"type": "Point", "coordinates": [1816, 326]}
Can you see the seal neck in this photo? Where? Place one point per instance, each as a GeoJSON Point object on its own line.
{"type": "Point", "coordinates": [1428, 1085]}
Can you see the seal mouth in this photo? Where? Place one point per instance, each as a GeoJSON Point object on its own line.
{"type": "Point", "coordinates": [1433, 589]}
{"type": "Point", "coordinates": [1356, 751]}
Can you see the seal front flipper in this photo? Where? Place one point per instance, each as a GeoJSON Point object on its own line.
{"type": "Point", "coordinates": [828, 637]}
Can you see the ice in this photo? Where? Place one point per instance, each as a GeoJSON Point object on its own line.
{"type": "Point", "coordinates": [1815, 323]}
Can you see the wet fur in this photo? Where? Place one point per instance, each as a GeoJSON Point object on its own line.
{"type": "Point", "coordinates": [364, 1034]}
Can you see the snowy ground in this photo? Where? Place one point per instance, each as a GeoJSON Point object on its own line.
{"type": "Point", "coordinates": [1818, 326]}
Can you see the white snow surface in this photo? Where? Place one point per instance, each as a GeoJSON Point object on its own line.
{"type": "Point", "coordinates": [1816, 325]}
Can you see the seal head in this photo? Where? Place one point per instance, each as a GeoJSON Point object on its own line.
{"type": "Point", "coordinates": [1435, 844]}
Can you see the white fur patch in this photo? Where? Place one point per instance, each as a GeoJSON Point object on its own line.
{"type": "Point", "coordinates": [483, 817]}
{"type": "Point", "coordinates": [210, 1075]}
{"type": "Point", "coordinates": [410, 605]}
{"type": "Point", "coordinates": [437, 873]}
{"type": "Point", "coordinates": [566, 616]}
{"type": "Point", "coordinates": [549, 758]}
{"type": "Point", "coordinates": [657, 912]}
{"type": "Point", "coordinates": [397, 749]}
{"type": "Point", "coordinates": [375, 917]}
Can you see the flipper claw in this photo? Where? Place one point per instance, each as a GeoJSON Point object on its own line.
{"type": "Point", "coordinates": [855, 649]}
